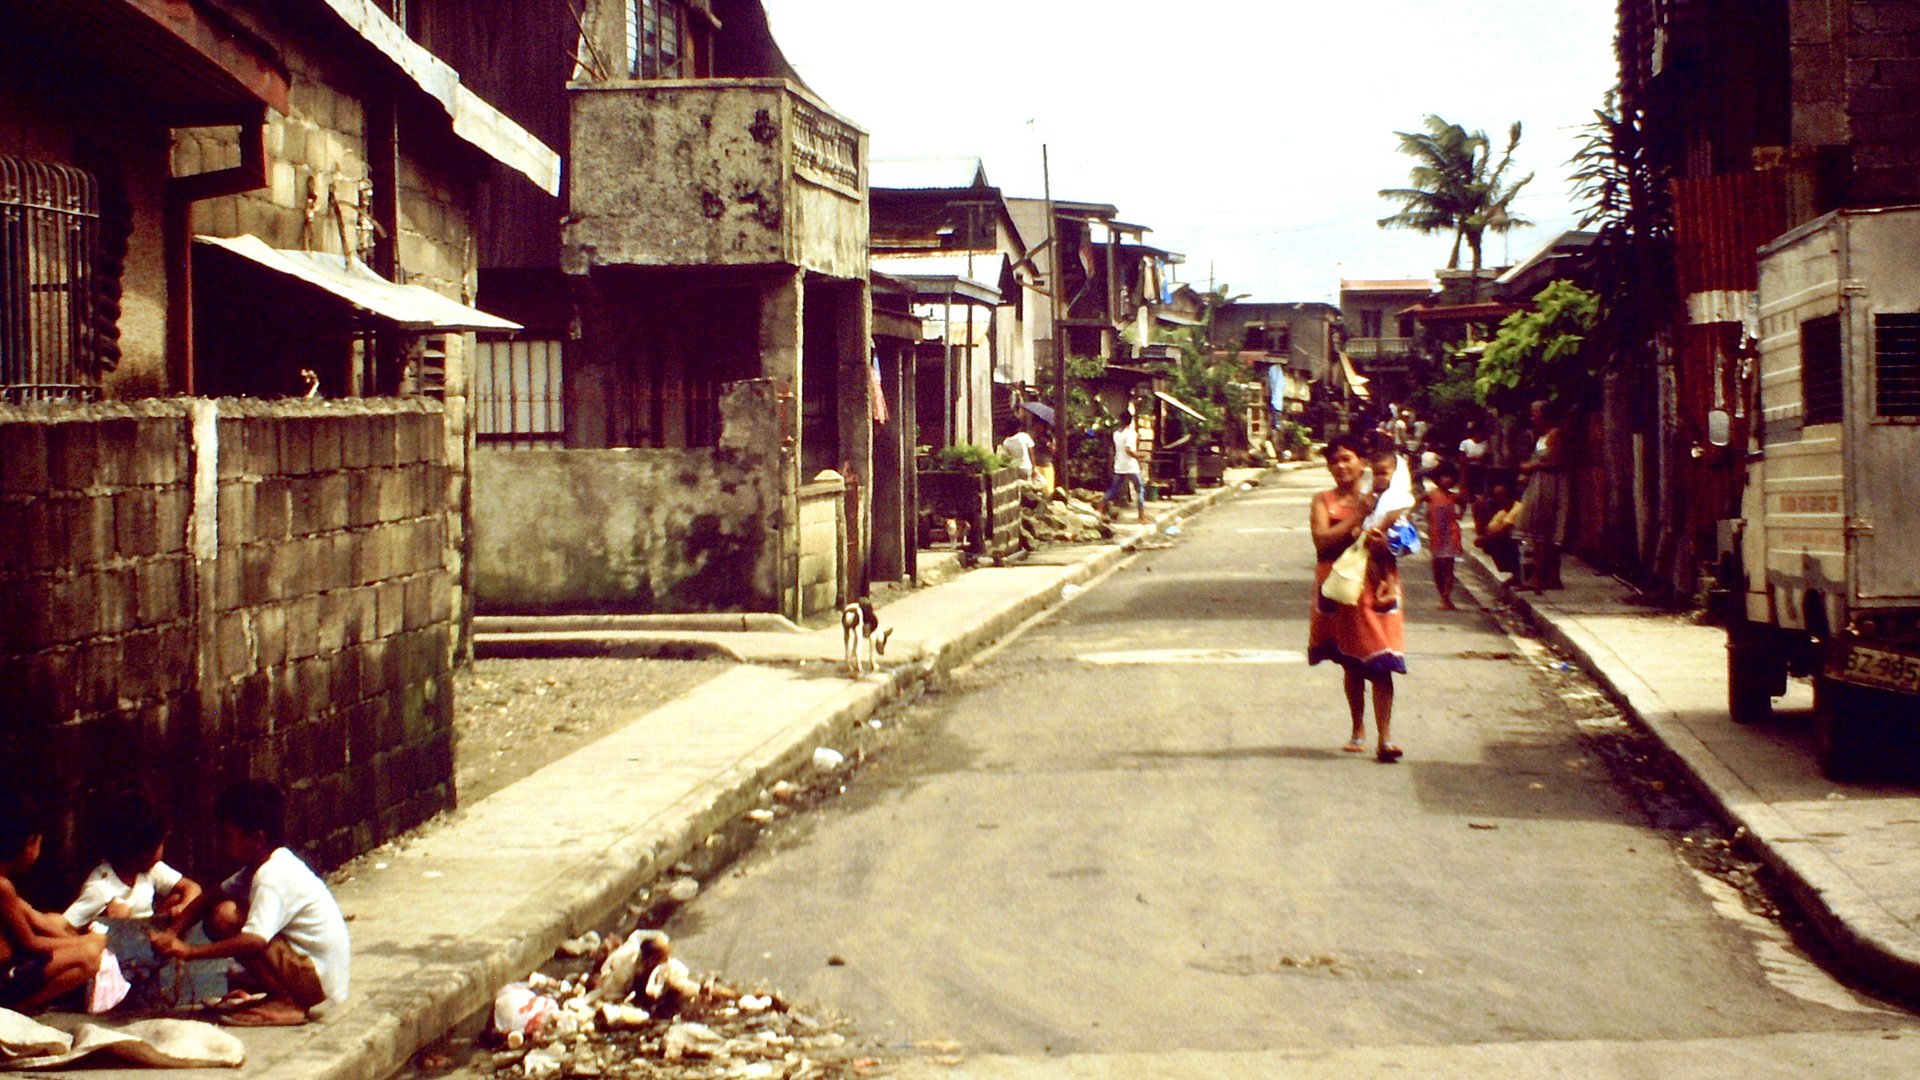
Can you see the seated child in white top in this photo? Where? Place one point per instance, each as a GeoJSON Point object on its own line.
{"type": "Point", "coordinates": [132, 882]}
{"type": "Point", "coordinates": [277, 918]}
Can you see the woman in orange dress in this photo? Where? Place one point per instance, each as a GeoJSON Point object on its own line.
{"type": "Point", "coordinates": [1367, 639]}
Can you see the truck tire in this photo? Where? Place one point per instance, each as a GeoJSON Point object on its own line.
{"type": "Point", "coordinates": [1848, 742]}
{"type": "Point", "coordinates": [1754, 669]}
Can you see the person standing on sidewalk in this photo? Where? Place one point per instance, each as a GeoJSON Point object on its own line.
{"type": "Point", "coordinates": [1126, 468]}
{"type": "Point", "coordinates": [1366, 639]}
{"type": "Point", "coordinates": [1542, 524]}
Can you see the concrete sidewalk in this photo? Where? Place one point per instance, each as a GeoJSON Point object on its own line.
{"type": "Point", "coordinates": [1849, 853]}
{"type": "Point", "coordinates": [481, 899]}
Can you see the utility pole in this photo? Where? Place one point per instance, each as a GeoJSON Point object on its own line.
{"type": "Point", "coordinates": [1054, 284]}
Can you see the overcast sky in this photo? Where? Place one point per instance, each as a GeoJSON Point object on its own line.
{"type": "Point", "coordinates": [1250, 135]}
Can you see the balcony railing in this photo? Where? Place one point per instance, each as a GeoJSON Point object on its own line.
{"type": "Point", "coordinates": [1379, 348]}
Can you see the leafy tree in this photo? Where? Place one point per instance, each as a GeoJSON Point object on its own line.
{"type": "Point", "coordinates": [1538, 355]}
{"type": "Point", "coordinates": [1457, 185]}
{"type": "Point", "coordinates": [1631, 261]}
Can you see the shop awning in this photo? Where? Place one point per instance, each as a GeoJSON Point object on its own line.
{"type": "Point", "coordinates": [1355, 381]}
{"type": "Point", "coordinates": [1181, 405]}
{"type": "Point", "coordinates": [412, 307]}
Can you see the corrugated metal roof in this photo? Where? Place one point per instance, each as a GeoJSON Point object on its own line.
{"type": "Point", "coordinates": [927, 174]}
{"type": "Point", "coordinates": [981, 266]}
{"type": "Point", "coordinates": [1386, 285]}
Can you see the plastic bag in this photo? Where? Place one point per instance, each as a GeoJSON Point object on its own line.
{"type": "Point", "coordinates": [518, 1010]}
{"type": "Point", "coordinates": [1403, 539]}
{"type": "Point", "coordinates": [1347, 580]}
{"type": "Point", "coordinates": [109, 987]}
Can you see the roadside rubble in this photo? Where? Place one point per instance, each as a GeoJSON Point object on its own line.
{"type": "Point", "coordinates": [1068, 518]}
{"type": "Point", "coordinates": [640, 1012]}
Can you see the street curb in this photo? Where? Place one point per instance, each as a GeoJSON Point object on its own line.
{"type": "Point", "coordinates": [389, 1025]}
{"type": "Point", "coordinates": [1865, 940]}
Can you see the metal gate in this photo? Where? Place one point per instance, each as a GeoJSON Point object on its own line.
{"type": "Point", "coordinates": [49, 233]}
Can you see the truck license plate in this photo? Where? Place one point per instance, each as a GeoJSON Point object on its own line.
{"type": "Point", "coordinates": [1876, 667]}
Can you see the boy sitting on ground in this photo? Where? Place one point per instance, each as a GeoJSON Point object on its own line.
{"type": "Point", "coordinates": [277, 917]}
{"type": "Point", "coordinates": [41, 957]}
{"type": "Point", "coordinates": [132, 882]}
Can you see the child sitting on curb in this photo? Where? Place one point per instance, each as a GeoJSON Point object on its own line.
{"type": "Point", "coordinates": [41, 957]}
{"type": "Point", "coordinates": [277, 917]}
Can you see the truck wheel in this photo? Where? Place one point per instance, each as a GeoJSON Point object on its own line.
{"type": "Point", "coordinates": [1752, 673]}
{"type": "Point", "coordinates": [1848, 731]}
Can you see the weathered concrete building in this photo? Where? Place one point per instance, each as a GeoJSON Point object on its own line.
{"type": "Point", "coordinates": [713, 380]}
{"type": "Point", "coordinates": [1380, 332]}
{"type": "Point", "coordinates": [239, 201]}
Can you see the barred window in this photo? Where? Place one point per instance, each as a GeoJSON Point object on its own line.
{"type": "Point", "coordinates": [517, 393]}
{"type": "Point", "coordinates": [59, 289]}
{"type": "Point", "coordinates": [655, 39]}
{"type": "Point", "coordinates": [1820, 369]}
{"type": "Point", "coordinates": [1896, 356]}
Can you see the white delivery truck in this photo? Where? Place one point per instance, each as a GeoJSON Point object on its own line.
{"type": "Point", "coordinates": [1828, 540]}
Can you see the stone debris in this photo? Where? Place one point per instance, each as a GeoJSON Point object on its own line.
{"type": "Point", "coordinates": [641, 1013]}
{"type": "Point", "coordinates": [827, 758]}
{"type": "Point", "coordinates": [1060, 519]}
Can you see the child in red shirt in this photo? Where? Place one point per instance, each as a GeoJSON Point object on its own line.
{"type": "Point", "coordinates": [1443, 529]}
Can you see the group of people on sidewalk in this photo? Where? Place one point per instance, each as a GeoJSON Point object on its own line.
{"type": "Point", "coordinates": [269, 947]}
{"type": "Point", "coordinates": [1361, 527]}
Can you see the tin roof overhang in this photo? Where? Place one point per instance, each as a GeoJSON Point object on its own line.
{"type": "Point", "coordinates": [474, 120]}
{"type": "Point", "coordinates": [411, 307]}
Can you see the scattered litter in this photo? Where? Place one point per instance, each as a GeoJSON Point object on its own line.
{"type": "Point", "coordinates": [826, 757]}
{"type": "Point", "coordinates": [379, 866]}
{"type": "Point", "coordinates": [1480, 825]}
{"type": "Point", "coordinates": [758, 814]}
{"type": "Point", "coordinates": [683, 890]}
{"type": "Point", "coordinates": [1246, 485]}
{"type": "Point", "coordinates": [1068, 592]}
{"type": "Point", "coordinates": [540, 1065]}
{"type": "Point", "coordinates": [1171, 530]}
{"type": "Point", "coordinates": [581, 945]}
{"type": "Point", "coordinates": [875, 724]}
{"type": "Point", "coordinates": [754, 1003]}
{"type": "Point", "coordinates": [835, 961]}
{"type": "Point", "coordinates": [1536, 786]}
{"type": "Point", "coordinates": [518, 1010]}
{"type": "Point", "coordinates": [1834, 796]}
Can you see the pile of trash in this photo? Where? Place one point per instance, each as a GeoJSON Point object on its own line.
{"type": "Point", "coordinates": [641, 1013]}
{"type": "Point", "coordinates": [1060, 518]}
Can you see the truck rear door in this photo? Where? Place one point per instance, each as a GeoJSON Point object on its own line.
{"type": "Point", "coordinates": [1883, 395]}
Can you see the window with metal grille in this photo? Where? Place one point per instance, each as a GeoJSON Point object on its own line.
{"type": "Point", "coordinates": [59, 291]}
{"type": "Point", "coordinates": [655, 42]}
{"type": "Point", "coordinates": [517, 399]}
{"type": "Point", "coordinates": [1820, 369]}
{"type": "Point", "coordinates": [1896, 364]}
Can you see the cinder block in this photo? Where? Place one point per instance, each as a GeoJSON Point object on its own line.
{"type": "Point", "coordinates": [363, 498]}
{"type": "Point", "coordinates": [270, 635]}
{"type": "Point", "coordinates": [373, 668]}
{"type": "Point", "coordinates": [301, 506]}
{"type": "Point", "coordinates": [23, 447]}
{"type": "Point", "coordinates": [296, 444]}
{"type": "Point", "coordinates": [135, 525]}
{"type": "Point", "coordinates": [161, 455]}
{"type": "Point", "coordinates": [73, 457]}
{"type": "Point", "coordinates": [333, 609]}
{"type": "Point", "coordinates": [232, 440]}
{"type": "Point", "coordinates": [392, 608]}
{"type": "Point", "coordinates": [418, 592]}
{"type": "Point", "coordinates": [257, 581]}
{"type": "Point", "coordinates": [356, 442]}
{"type": "Point", "coordinates": [396, 497]}
{"type": "Point", "coordinates": [343, 670]}
{"type": "Point", "coordinates": [363, 615]}
{"type": "Point", "coordinates": [326, 443]}
{"type": "Point", "coordinates": [303, 628]}
{"type": "Point", "coordinates": [261, 445]}
{"type": "Point", "coordinates": [287, 575]}
{"type": "Point", "coordinates": [233, 645]}
{"type": "Point", "coordinates": [160, 594]}
{"type": "Point", "coordinates": [228, 578]}
{"type": "Point", "coordinates": [96, 673]}
{"type": "Point", "coordinates": [272, 511]}
{"type": "Point", "coordinates": [383, 440]}
{"type": "Point", "coordinates": [237, 524]}
{"type": "Point", "coordinates": [328, 494]}
{"type": "Point", "coordinates": [440, 594]}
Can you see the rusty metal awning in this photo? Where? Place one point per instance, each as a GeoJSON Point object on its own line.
{"type": "Point", "coordinates": [1181, 405]}
{"type": "Point", "coordinates": [176, 52]}
{"type": "Point", "coordinates": [411, 307]}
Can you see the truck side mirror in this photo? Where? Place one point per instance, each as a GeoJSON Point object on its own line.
{"type": "Point", "coordinates": [1719, 427]}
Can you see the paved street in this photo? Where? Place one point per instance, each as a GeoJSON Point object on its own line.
{"type": "Point", "coordinates": [1131, 832]}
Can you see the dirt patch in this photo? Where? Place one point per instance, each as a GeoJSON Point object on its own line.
{"type": "Point", "coordinates": [514, 717]}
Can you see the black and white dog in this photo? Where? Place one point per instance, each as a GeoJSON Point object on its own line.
{"type": "Point", "coordinates": [864, 640]}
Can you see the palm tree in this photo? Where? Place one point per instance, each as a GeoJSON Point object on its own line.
{"type": "Point", "coordinates": [1457, 185]}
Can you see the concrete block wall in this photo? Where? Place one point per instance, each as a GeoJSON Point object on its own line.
{"type": "Point", "coordinates": [822, 545]}
{"type": "Point", "coordinates": [265, 596]}
{"type": "Point", "coordinates": [333, 613]}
